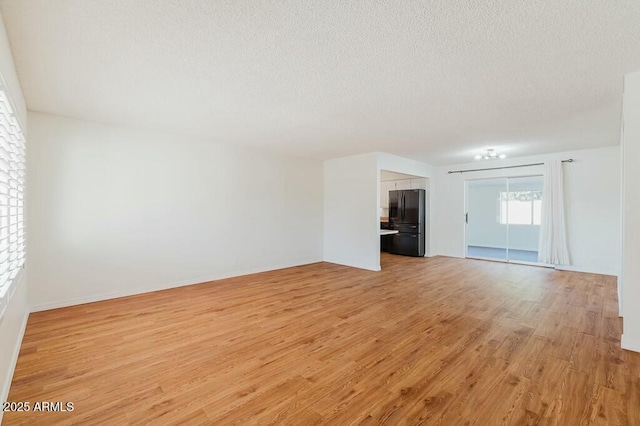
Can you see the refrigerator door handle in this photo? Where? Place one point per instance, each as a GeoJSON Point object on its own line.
{"type": "Point", "coordinates": [404, 206]}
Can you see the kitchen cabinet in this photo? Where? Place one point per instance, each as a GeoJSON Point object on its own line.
{"type": "Point", "coordinates": [385, 187]}
{"type": "Point", "coordinates": [397, 185]}
{"type": "Point", "coordinates": [402, 184]}
{"type": "Point", "coordinates": [419, 184]}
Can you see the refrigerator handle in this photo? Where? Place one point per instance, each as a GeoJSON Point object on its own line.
{"type": "Point", "coordinates": [466, 218]}
{"type": "Point", "coordinates": [404, 205]}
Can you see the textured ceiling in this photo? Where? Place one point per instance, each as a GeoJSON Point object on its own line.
{"type": "Point", "coordinates": [433, 80]}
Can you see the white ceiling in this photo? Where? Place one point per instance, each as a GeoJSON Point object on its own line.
{"type": "Point", "coordinates": [435, 80]}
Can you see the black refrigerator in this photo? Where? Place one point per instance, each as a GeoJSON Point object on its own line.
{"type": "Point", "coordinates": [407, 216]}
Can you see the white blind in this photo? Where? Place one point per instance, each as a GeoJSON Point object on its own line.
{"type": "Point", "coordinates": [12, 176]}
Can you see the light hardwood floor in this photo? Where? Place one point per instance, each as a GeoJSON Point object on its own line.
{"type": "Point", "coordinates": [426, 341]}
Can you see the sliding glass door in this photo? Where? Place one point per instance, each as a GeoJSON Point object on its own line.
{"type": "Point", "coordinates": [523, 205]}
{"type": "Point", "coordinates": [503, 218]}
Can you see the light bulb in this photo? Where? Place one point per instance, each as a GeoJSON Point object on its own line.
{"type": "Point", "coordinates": [489, 154]}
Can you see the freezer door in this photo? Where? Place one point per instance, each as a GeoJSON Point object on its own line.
{"type": "Point", "coordinates": [407, 244]}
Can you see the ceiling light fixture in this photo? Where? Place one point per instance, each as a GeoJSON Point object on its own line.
{"type": "Point", "coordinates": [491, 154]}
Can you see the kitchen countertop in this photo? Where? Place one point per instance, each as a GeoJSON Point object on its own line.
{"type": "Point", "coordinates": [387, 232]}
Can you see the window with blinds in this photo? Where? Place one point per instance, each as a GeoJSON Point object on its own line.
{"type": "Point", "coordinates": [12, 176]}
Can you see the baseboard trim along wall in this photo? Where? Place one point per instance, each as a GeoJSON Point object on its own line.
{"type": "Point", "coordinates": [372, 268]}
{"type": "Point", "coordinates": [629, 344]}
{"type": "Point", "coordinates": [569, 268]}
{"type": "Point", "coordinates": [165, 286]}
{"type": "Point", "coordinates": [14, 360]}
{"type": "Point", "coordinates": [587, 270]}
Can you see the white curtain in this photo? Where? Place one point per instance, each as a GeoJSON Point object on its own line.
{"type": "Point", "coordinates": [552, 247]}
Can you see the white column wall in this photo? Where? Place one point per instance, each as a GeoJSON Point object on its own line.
{"type": "Point", "coordinates": [630, 285]}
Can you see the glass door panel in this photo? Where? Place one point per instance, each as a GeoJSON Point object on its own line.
{"type": "Point", "coordinates": [522, 204]}
{"type": "Point", "coordinates": [487, 234]}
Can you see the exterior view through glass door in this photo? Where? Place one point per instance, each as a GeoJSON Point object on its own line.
{"type": "Point", "coordinates": [503, 218]}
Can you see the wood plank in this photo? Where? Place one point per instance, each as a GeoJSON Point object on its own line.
{"type": "Point", "coordinates": [608, 408]}
{"type": "Point", "coordinates": [563, 343]}
{"type": "Point", "coordinates": [633, 396]}
{"type": "Point", "coordinates": [573, 401]}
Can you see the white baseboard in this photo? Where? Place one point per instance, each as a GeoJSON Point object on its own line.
{"type": "Point", "coordinates": [374, 268]}
{"type": "Point", "coordinates": [453, 256]}
{"type": "Point", "coordinates": [586, 269]}
{"type": "Point", "coordinates": [14, 360]}
{"type": "Point", "coordinates": [619, 296]}
{"type": "Point", "coordinates": [165, 286]}
{"type": "Point", "coordinates": [571, 268]}
{"type": "Point", "coordinates": [630, 344]}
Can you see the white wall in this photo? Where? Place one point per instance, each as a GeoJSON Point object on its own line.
{"type": "Point", "coordinates": [630, 283]}
{"type": "Point", "coordinates": [351, 235]}
{"type": "Point", "coordinates": [395, 163]}
{"type": "Point", "coordinates": [592, 205]}
{"type": "Point", "coordinates": [12, 327]}
{"type": "Point", "coordinates": [115, 211]}
{"type": "Point", "coordinates": [13, 322]}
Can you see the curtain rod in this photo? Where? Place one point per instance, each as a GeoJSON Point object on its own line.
{"type": "Point", "coordinates": [570, 160]}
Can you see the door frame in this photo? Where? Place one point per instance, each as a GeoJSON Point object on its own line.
{"type": "Point", "coordinates": [466, 224]}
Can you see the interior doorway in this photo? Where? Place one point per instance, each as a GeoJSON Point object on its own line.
{"type": "Point", "coordinates": [503, 218]}
{"type": "Point", "coordinates": [403, 211]}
